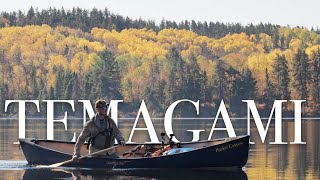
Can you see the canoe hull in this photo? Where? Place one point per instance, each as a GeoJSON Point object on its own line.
{"type": "Point", "coordinates": [233, 153]}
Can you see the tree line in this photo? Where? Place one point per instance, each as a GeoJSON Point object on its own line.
{"type": "Point", "coordinates": [87, 19]}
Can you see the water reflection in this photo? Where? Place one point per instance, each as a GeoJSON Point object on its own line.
{"type": "Point", "coordinates": [265, 161]}
{"type": "Point", "coordinates": [40, 174]}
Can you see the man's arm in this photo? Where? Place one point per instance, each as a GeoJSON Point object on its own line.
{"type": "Point", "coordinates": [85, 133]}
{"type": "Point", "coordinates": [117, 134]}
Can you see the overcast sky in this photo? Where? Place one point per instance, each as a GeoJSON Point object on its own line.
{"type": "Point", "coordinates": [284, 12]}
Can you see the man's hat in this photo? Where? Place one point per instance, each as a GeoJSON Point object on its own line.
{"type": "Point", "coordinates": [102, 104]}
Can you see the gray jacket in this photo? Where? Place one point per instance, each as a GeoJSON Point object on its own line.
{"type": "Point", "coordinates": [91, 129]}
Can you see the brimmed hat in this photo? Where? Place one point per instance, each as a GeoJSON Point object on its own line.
{"type": "Point", "coordinates": [102, 104]}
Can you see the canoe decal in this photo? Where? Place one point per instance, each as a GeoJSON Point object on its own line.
{"type": "Point", "coordinates": [230, 146]}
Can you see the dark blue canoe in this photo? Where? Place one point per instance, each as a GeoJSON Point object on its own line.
{"type": "Point", "coordinates": [219, 153]}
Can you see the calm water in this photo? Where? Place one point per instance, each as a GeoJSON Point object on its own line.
{"type": "Point", "coordinates": [265, 161]}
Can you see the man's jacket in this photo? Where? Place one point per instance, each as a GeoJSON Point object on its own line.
{"type": "Point", "coordinates": [91, 130]}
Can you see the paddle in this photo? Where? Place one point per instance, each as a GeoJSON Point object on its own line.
{"type": "Point", "coordinates": [68, 161]}
{"type": "Point", "coordinates": [133, 150]}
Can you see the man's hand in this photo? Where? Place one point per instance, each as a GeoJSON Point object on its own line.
{"type": "Point", "coordinates": [75, 158]}
{"type": "Point", "coordinates": [122, 143]}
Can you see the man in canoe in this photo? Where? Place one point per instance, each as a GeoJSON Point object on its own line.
{"type": "Point", "coordinates": [101, 131]}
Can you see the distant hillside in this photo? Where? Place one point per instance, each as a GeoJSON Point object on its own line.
{"type": "Point", "coordinates": [159, 66]}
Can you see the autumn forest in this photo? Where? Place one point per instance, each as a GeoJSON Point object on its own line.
{"type": "Point", "coordinates": [80, 54]}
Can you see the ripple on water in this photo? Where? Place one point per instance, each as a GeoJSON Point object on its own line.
{"type": "Point", "coordinates": [13, 165]}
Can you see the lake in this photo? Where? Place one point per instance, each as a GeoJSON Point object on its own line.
{"type": "Point", "coordinates": [266, 161]}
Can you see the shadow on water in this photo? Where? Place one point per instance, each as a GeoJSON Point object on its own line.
{"type": "Point", "coordinates": [35, 174]}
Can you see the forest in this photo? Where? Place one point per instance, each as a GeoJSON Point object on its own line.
{"type": "Point", "coordinates": [81, 54]}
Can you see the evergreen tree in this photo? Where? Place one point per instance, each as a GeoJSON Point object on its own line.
{"type": "Point", "coordinates": [248, 85]}
{"type": "Point", "coordinates": [58, 85]}
{"type": "Point", "coordinates": [282, 42]}
{"type": "Point", "coordinates": [105, 76]}
{"type": "Point", "coordinates": [244, 89]}
{"type": "Point", "coordinates": [174, 87]}
{"type": "Point", "coordinates": [150, 96]}
{"type": "Point", "coordinates": [3, 96]}
{"type": "Point", "coordinates": [268, 95]}
{"type": "Point", "coordinates": [234, 89]}
{"type": "Point", "coordinates": [281, 76]}
{"type": "Point", "coordinates": [275, 38]}
{"type": "Point", "coordinates": [154, 93]}
{"type": "Point", "coordinates": [87, 86]}
{"type": "Point", "coordinates": [51, 93]}
{"type": "Point", "coordinates": [192, 82]}
{"type": "Point", "coordinates": [76, 91]}
{"type": "Point", "coordinates": [205, 93]}
{"type": "Point", "coordinates": [43, 94]}
{"type": "Point", "coordinates": [301, 74]}
{"type": "Point", "coordinates": [220, 84]}
{"type": "Point", "coordinates": [30, 15]}
{"type": "Point", "coordinates": [68, 90]}
{"type": "Point", "coordinates": [315, 79]}
{"type": "Point", "coordinates": [33, 84]}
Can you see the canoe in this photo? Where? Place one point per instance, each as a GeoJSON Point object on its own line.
{"type": "Point", "coordinates": [218, 153]}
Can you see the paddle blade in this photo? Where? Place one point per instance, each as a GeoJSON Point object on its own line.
{"type": "Point", "coordinates": [54, 165]}
{"type": "Point", "coordinates": [57, 165]}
